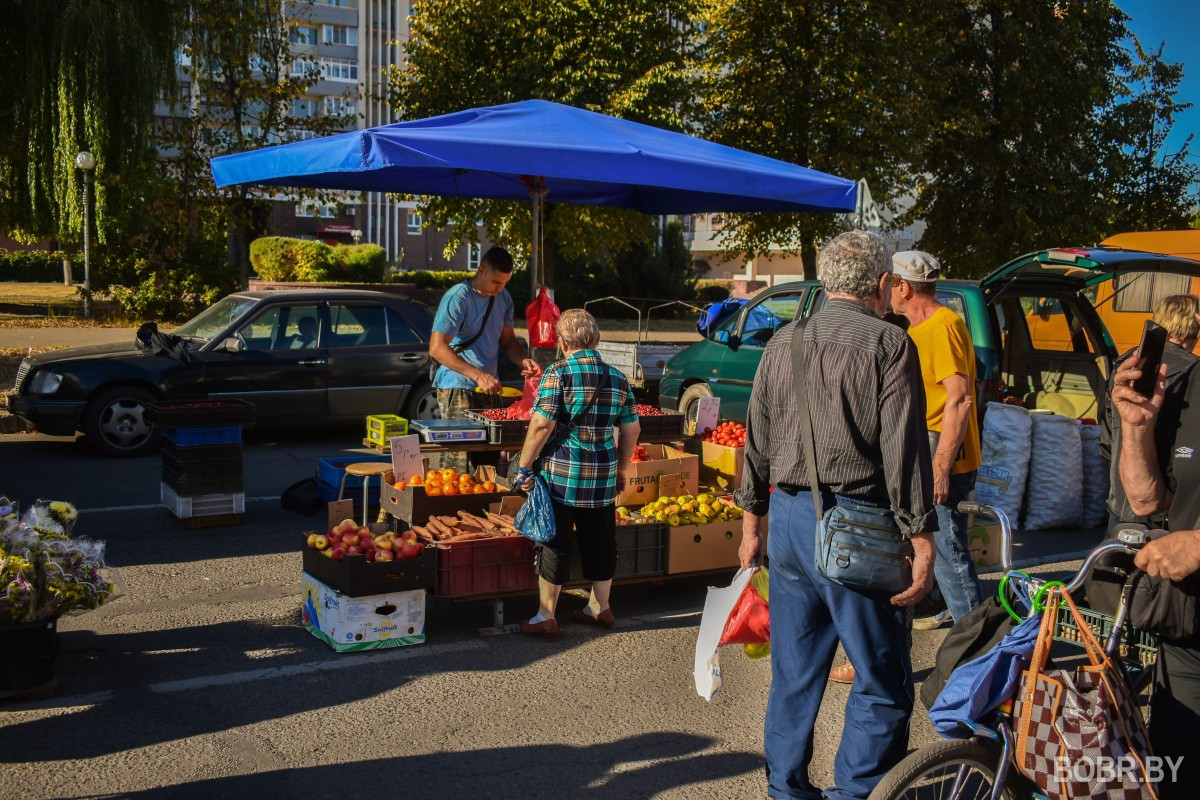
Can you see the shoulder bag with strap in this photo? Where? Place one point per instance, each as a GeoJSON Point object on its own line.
{"type": "Point", "coordinates": [559, 437]}
{"type": "Point", "coordinates": [856, 546]}
{"type": "Point", "coordinates": [465, 343]}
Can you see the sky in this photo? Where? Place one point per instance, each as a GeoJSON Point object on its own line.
{"type": "Point", "coordinates": [1175, 24]}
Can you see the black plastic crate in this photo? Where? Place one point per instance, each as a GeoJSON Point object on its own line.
{"type": "Point", "coordinates": [667, 424]}
{"type": "Point", "coordinates": [502, 431]}
{"type": "Point", "coordinates": [354, 576]}
{"type": "Point", "coordinates": [202, 470]}
{"type": "Point", "coordinates": [641, 552]}
{"type": "Point", "coordinates": [194, 487]}
{"type": "Point", "coordinates": [200, 413]}
{"type": "Point", "coordinates": [203, 454]}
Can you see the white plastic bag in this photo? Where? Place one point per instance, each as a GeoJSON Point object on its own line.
{"type": "Point", "coordinates": [1095, 479]}
{"type": "Point", "coordinates": [1005, 458]}
{"type": "Point", "coordinates": [717, 606]}
{"type": "Point", "coordinates": [1054, 494]}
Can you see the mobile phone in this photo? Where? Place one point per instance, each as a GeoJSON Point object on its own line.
{"type": "Point", "coordinates": [1154, 341]}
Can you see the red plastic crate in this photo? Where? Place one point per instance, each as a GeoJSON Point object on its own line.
{"type": "Point", "coordinates": [485, 566]}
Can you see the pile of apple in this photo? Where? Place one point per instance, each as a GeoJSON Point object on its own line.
{"type": "Point", "coordinates": [730, 434]}
{"type": "Point", "coordinates": [348, 538]}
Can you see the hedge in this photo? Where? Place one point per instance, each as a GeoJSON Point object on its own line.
{"type": "Point", "coordinates": [36, 266]}
{"type": "Point", "coordinates": [434, 278]}
{"type": "Point", "coordinates": [283, 258]}
{"type": "Point", "coordinates": [713, 291]}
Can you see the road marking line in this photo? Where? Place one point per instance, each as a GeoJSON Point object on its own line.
{"type": "Point", "coordinates": [148, 506]}
{"type": "Point", "coordinates": [311, 667]}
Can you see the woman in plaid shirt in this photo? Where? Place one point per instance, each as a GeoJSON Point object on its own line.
{"type": "Point", "coordinates": [579, 401]}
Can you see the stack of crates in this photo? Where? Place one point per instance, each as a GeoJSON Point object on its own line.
{"type": "Point", "coordinates": [381, 428]}
{"type": "Point", "coordinates": [202, 460]}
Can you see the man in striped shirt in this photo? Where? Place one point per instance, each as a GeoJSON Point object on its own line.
{"type": "Point", "coordinates": [867, 406]}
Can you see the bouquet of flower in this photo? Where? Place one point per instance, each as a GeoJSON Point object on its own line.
{"type": "Point", "coordinates": [44, 573]}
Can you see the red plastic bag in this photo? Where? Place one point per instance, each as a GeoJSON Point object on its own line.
{"type": "Point", "coordinates": [750, 620]}
{"type": "Point", "coordinates": [523, 408]}
{"type": "Point", "coordinates": [542, 315]}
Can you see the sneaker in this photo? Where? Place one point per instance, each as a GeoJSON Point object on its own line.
{"type": "Point", "coordinates": [932, 623]}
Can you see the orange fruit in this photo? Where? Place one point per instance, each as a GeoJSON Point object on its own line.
{"type": "Point", "coordinates": [433, 490]}
{"type": "Point", "coordinates": [416, 480]}
{"type": "Point", "coordinates": [489, 486]}
{"type": "Point", "coordinates": [479, 489]}
{"type": "Point", "coordinates": [402, 484]}
{"type": "Point", "coordinates": [450, 488]}
{"type": "Point", "coordinates": [433, 473]}
{"type": "Point", "coordinates": [449, 475]}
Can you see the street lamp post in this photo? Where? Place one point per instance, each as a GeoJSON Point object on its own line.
{"type": "Point", "coordinates": [87, 162]}
{"type": "Point", "coordinates": [356, 235]}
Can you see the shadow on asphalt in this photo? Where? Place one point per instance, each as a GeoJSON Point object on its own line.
{"type": "Point", "coordinates": [538, 770]}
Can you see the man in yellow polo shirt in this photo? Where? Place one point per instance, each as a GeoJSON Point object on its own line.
{"type": "Point", "coordinates": [948, 370]}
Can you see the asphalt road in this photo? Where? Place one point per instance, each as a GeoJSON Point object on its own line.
{"type": "Point", "coordinates": [201, 681]}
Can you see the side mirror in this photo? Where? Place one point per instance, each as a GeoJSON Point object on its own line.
{"type": "Point", "coordinates": [734, 341]}
{"type": "Point", "coordinates": [721, 337]}
{"type": "Point", "coordinates": [231, 345]}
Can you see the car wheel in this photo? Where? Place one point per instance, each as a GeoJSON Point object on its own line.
{"type": "Point", "coordinates": [116, 423]}
{"type": "Point", "coordinates": [689, 403]}
{"type": "Point", "coordinates": [422, 403]}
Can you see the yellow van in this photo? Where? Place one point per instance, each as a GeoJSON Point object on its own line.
{"type": "Point", "coordinates": [1127, 301]}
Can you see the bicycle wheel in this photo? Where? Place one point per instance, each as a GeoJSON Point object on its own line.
{"type": "Point", "coordinates": [952, 769]}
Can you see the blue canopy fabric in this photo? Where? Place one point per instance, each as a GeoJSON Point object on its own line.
{"type": "Point", "coordinates": [581, 157]}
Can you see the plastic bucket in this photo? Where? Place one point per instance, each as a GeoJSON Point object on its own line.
{"type": "Point", "coordinates": [27, 654]}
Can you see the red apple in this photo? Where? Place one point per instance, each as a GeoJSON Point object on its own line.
{"type": "Point", "coordinates": [337, 554]}
{"type": "Point", "coordinates": [410, 550]}
{"type": "Point", "coordinates": [321, 542]}
{"type": "Point", "coordinates": [348, 525]}
{"type": "Point", "coordinates": [354, 550]}
{"type": "Point", "coordinates": [409, 536]}
{"type": "Point", "coordinates": [363, 530]}
{"type": "Point", "coordinates": [383, 555]}
{"type": "Point", "coordinates": [370, 555]}
{"type": "Point", "coordinates": [384, 544]}
{"type": "Point", "coordinates": [312, 540]}
{"type": "Point", "coordinates": [350, 539]}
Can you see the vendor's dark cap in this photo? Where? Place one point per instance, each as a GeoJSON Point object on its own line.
{"type": "Point", "coordinates": [915, 266]}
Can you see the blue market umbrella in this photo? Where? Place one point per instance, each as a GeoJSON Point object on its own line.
{"type": "Point", "coordinates": [541, 149]}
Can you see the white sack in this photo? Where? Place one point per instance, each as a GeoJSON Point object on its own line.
{"type": "Point", "coordinates": [1005, 458]}
{"type": "Point", "coordinates": [718, 605]}
{"type": "Point", "coordinates": [1054, 494]}
{"type": "Point", "coordinates": [1095, 479]}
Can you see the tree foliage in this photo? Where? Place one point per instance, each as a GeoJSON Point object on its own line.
{"type": "Point", "coordinates": [626, 58]}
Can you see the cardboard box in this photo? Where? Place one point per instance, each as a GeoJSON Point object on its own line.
{"type": "Point", "coordinates": [722, 466]}
{"type": "Point", "coordinates": [415, 507]}
{"type": "Point", "coordinates": [354, 576]}
{"type": "Point", "coordinates": [983, 541]}
{"type": "Point", "coordinates": [700, 548]}
{"type": "Point", "coordinates": [642, 477]}
{"type": "Point", "coordinates": [348, 624]}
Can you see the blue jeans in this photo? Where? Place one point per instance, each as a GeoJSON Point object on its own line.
{"type": "Point", "coordinates": [954, 570]}
{"type": "Point", "coordinates": [809, 614]}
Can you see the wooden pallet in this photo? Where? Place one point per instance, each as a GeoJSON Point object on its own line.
{"type": "Point", "coordinates": [379, 450]}
{"type": "Point", "coordinates": [210, 521]}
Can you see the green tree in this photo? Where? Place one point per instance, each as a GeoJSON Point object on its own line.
{"type": "Point", "coordinates": [837, 86]}
{"type": "Point", "coordinates": [1017, 159]}
{"type": "Point", "coordinates": [81, 75]}
{"type": "Point", "coordinates": [627, 58]}
{"type": "Point", "coordinates": [1147, 186]}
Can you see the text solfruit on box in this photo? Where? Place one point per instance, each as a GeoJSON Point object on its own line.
{"type": "Point", "coordinates": [348, 624]}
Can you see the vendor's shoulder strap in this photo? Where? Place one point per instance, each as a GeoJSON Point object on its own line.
{"type": "Point", "coordinates": [487, 313]}
{"type": "Point", "coordinates": [799, 376]}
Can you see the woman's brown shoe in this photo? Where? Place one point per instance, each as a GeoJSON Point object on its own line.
{"type": "Point", "coordinates": [842, 674]}
{"type": "Point", "coordinates": [546, 629]}
{"type": "Point", "coordinates": [604, 619]}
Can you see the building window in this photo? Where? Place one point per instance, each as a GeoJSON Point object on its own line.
{"type": "Point", "coordinates": [473, 255]}
{"type": "Point", "coordinates": [339, 3]}
{"type": "Point", "coordinates": [339, 106]}
{"type": "Point", "coordinates": [313, 209]}
{"type": "Point", "coordinates": [305, 66]}
{"type": "Point", "coordinates": [297, 135]}
{"type": "Point", "coordinates": [304, 107]}
{"type": "Point", "coordinates": [340, 34]}
{"type": "Point", "coordinates": [339, 69]}
{"type": "Point", "coordinates": [303, 34]}
{"type": "Point", "coordinates": [414, 223]}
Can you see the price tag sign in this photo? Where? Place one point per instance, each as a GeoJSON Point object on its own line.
{"type": "Point", "coordinates": [708, 415]}
{"type": "Point", "coordinates": [671, 485]}
{"type": "Point", "coordinates": [406, 456]}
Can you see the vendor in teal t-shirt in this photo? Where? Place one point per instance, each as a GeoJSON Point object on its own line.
{"type": "Point", "coordinates": [460, 317]}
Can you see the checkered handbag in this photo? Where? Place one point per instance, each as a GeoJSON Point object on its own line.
{"type": "Point", "coordinates": [1079, 732]}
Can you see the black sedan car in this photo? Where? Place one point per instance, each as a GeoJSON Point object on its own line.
{"type": "Point", "coordinates": [305, 356]}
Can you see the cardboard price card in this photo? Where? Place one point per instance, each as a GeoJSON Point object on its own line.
{"type": "Point", "coordinates": [406, 456]}
{"type": "Point", "coordinates": [708, 414]}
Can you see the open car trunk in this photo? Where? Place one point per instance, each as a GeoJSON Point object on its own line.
{"type": "Point", "coordinates": [1055, 353]}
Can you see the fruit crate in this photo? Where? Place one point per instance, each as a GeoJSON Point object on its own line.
{"type": "Point", "coordinates": [412, 505]}
{"type": "Point", "coordinates": [197, 487]}
{"type": "Point", "coordinates": [484, 566]}
{"type": "Point", "coordinates": [354, 576]}
{"type": "Point", "coordinates": [382, 427]}
{"type": "Point", "coordinates": [202, 454]}
{"type": "Point", "coordinates": [669, 423]}
{"type": "Point", "coordinates": [202, 505]}
{"type": "Point", "coordinates": [641, 552]}
{"type": "Point", "coordinates": [1138, 648]}
{"type": "Point", "coordinates": [502, 431]}
{"type": "Point", "coordinates": [228, 468]}
{"type": "Point", "coordinates": [331, 470]}
{"type": "Point", "coordinates": [200, 413]}
{"type": "Point", "coordinates": [198, 437]}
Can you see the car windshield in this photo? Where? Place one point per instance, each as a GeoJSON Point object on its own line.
{"type": "Point", "coordinates": [216, 318]}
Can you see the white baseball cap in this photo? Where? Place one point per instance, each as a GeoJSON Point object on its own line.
{"type": "Point", "coordinates": [916, 266]}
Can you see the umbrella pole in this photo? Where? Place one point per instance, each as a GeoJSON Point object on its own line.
{"type": "Point", "coordinates": [535, 248]}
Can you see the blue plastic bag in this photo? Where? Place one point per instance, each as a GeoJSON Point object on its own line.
{"type": "Point", "coordinates": [982, 684]}
{"type": "Point", "coordinates": [535, 520]}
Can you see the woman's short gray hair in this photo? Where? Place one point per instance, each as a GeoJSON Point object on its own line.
{"type": "Point", "coordinates": [577, 330]}
{"type": "Point", "coordinates": [852, 262]}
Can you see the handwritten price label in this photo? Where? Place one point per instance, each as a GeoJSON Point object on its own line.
{"type": "Point", "coordinates": [406, 456]}
{"type": "Point", "coordinates": [708, 414]}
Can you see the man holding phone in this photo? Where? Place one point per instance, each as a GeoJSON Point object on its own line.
{"type": "Point", "coordinates": [1177, 320]}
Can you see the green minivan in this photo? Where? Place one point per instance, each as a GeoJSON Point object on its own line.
{"type": "Point", "coordinates": [1008, 313]}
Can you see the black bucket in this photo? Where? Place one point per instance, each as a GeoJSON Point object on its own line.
{"type": "Point", "coordinates": [27, 654]}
